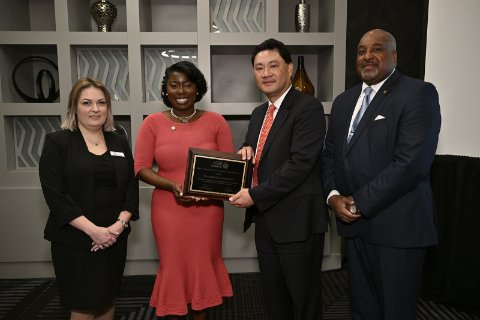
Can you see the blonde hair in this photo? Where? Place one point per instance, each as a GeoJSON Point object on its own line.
{"type": "Point", "coordinates": [70, 122]}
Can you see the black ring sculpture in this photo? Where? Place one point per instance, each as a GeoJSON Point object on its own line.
{"type": "Point", "coordinates": [52, 92]}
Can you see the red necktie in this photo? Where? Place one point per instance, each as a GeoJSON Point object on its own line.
{"type": "Point", "coordinates": [267, 124]}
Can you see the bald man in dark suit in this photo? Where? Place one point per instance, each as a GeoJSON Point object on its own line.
{"type": "Point", "coordinates": [376, 172]}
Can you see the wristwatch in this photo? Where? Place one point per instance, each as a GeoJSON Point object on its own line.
{"type": "Point", "coordinates": [123, 222]}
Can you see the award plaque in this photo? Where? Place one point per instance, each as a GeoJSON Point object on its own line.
{"type": "Point", "coordinates": [215, 174]}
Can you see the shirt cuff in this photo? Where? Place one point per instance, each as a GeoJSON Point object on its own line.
{"type": "Point", "coordinates": [332, 193]}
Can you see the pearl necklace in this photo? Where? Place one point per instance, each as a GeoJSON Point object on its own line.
{"type": "Point", "coordinates": [183, 119]}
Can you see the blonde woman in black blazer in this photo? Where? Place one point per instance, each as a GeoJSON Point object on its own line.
{"type": "Point", "coordinates": [86, 173]}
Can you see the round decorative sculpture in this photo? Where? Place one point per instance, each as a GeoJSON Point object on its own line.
{"type": "Point", "coordinates": [53, 93]}
{"type": "Point", "coordinates": [302, 17]}
{"type": "Point", "coordinates": [104, 13]}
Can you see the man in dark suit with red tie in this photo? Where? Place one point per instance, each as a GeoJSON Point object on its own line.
{"type": "Point", "coordinates": [286, 198]}
{"type": "Point", "coordinates": [376, 172]}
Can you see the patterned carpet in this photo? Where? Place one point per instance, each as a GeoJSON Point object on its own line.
{"type": "Point", "coordinates": [23, 299]}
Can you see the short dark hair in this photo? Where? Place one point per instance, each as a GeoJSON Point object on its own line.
{"type": "Point", "coordinates": [273, 44]}
{"type": "Point", "coordinates": [193, 74]}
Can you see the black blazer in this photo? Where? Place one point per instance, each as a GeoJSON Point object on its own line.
{"type": "Point", "coordinates": [386, 165]}
{"type": "Point", "coordinates": [67, 178]}
{"type": "Point", "coordinates": [289, 193]}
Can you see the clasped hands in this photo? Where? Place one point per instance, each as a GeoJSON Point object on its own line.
{"type": "Point", "coordinates": [104, 237]}
{"type": "Point", "coordinates": [344, 208]}
{"type": "Point", "coordinates": [242, 198]}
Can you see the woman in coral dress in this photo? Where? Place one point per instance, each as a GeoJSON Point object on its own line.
{"type": "Point", "coordinates": [188, 230]}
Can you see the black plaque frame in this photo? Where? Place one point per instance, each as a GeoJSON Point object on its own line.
{"type": "Point", "coordinates": [215, 174]}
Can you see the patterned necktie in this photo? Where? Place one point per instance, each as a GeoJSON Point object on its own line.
{"type": "Point", "coordinates": [365, 102]}
{"type": "Point", "coordinates": [267, 124]}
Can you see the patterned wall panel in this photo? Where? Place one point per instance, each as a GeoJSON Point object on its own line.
{"type": "Point", "coordinates": [109, 65]}
{"type": "Point", "coordinates": [29, 136]}
{"type": "Point", "coordinates": [237, 16]}
{"type": "Point", "coordinates": [156, 61]}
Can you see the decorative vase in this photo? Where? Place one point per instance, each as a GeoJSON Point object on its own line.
{"type": "Point", "coordinates": [302, 17]}
{"type": "Point", "coordinates": [300, 81]}
{"type": "Point", "coordinates": [104, 13]}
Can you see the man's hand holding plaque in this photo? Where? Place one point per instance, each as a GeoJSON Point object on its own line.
{"type": "Point", "coordinates": [215, 175]}
{"type": "Point", "coordinates": [242, 198]}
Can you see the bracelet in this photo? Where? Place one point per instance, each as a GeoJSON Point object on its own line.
{"type": "Point", "coordinates": [123, 222]}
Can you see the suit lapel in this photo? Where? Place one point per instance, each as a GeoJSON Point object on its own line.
{"type": "Point", "coordinates": [351, 102]}
{"type": "Point", "coordinates": [83, 158]}
{"type": "Point", "coordinates": [372, 108]}
{"type": "Point", "coordinates": [280, 118]}
{"type": "Point", "coordinates": [81, 148]}
{"type": "Point", "coordinates": [118, 161]}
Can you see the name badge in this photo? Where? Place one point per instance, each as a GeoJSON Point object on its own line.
{"type": "Point", "coordinates": [117, 154]}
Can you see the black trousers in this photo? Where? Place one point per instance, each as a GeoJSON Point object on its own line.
{"type": "Point", "coordinates": [290, 274]}
{"type": "Point", "coordinates": [384, 281]}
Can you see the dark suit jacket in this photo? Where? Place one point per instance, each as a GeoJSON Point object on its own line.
{"type": "Point", "coordinates": [67, 177]}
{"type": "Point", "coordinates": [289, 193]}
{"type": "Point", "coordinates": [386, 165]}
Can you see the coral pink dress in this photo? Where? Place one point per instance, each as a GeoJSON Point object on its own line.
{"type": "Point", "coordinates": [189, 236]}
